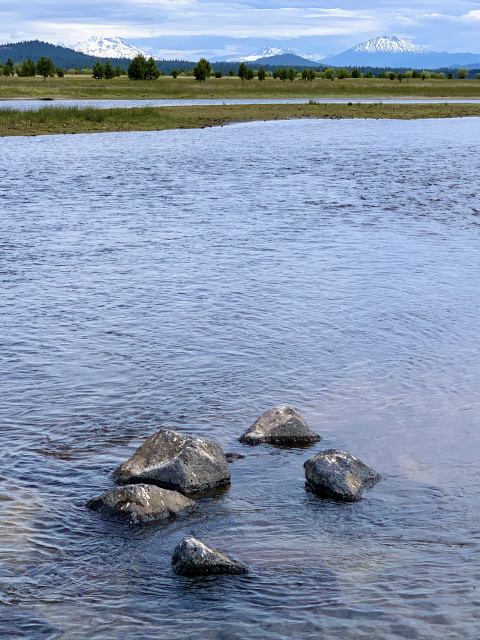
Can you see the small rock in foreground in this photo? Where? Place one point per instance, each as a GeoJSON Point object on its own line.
{"type": "Point", "coordinates": [177, 462]}
{"type": "Point", "coordinates": [339, 475]}
{"type": "Point", "coordinates": [282, 426]}
{"type": "Point", "coordinates": [193, 558]}
{"type": "Point", "coordinates": [141, 503]}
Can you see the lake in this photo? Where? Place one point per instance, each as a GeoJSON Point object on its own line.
{"type": "Point", "coordinates": [192, 279]}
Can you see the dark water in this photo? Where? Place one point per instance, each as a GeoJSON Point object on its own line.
{"type": "Point", "coordinates": [35, 105]}
{"type": "Point", "coordinates": [193, 279]}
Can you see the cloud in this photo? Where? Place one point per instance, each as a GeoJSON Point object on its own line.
{"type": "Point", "coordinates": [192, 25]}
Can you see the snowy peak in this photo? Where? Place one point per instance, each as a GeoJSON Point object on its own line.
{"type": "Point", "coordinates": [388, 44]}
{"type": "Point", "coordinates": [264, 52]}
{"type": "Point", "coordinates": [270, 52]}
{"type": "Point", "coordinates": [108, 47]}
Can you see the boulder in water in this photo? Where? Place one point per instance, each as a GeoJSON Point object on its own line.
{"type": "Point", "coordinates": [339, 475]}
{"type": "Point", "coordinates": [141, 503]}
{"type": "Point", "coordinates": [281, 426]}
{"type": "Point", "coordinates": [177, 462]}
{"type": "Point", "coordinates": [193, 558]}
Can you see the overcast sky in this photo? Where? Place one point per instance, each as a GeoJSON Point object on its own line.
{"type": "Point", "coordinates": [187, 28]}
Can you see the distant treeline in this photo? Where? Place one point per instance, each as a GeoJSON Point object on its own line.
{"type": "Point", "coordinates": [69, 59]}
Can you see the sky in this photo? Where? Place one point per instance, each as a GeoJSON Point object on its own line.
{"type": "Point", "coordinates": [191, 28]}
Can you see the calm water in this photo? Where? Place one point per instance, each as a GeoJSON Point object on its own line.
{"type": "Point", "coordinates": [35, 105]}
{"type": "Point", "coordinates": [193, 279]}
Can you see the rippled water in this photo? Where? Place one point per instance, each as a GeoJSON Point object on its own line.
{"type": "Point", "coordinates": [35, 105]}
{"type": "Point", "coordinates": [193, 279]}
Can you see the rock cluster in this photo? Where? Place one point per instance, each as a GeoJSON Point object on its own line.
{"type": "Point", "coordinates": [159, 479]}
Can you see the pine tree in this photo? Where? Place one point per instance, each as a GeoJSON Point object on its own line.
{"type": "Point", "coordinates": [261, 74]}
{"type": "Point", "coordinates": [45, 67]}
{"type": "Point", "coordinates": [202, 70]}
{"type": "Point", "coordinates": [242, 71]}
{"type": "Point", "coordinates": [8, 68]}
{"type": "Point", "coordinates": [109, 71]}
{"type": "Point", "coordinates": [136, 69]}
{"type": "Point", "coordinates": [98, 70]}
{"type": "Point", "coordinates": [151, 70]}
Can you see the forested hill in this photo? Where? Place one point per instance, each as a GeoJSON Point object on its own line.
{"type": "Point", "coordinates": [69, 59]}
{"type": "Point", "coordinates": [61, 56]}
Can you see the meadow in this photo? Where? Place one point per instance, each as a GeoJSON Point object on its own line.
{"type": "Point", "coordinates": [85, 87]}
{"type": "Point", "coordinates": [61, 120]}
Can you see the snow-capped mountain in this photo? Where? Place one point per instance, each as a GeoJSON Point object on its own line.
{"type": "Point", "coordinates": [271, 52]}
{"type": "Point", "coordinates": [108, 47]}
{"type": "Point", "coordinates": [388, 44]}
{"type": "Point", "coordinates": [264, 52]}
{"type": "Point", "coordinates": [393, 52]}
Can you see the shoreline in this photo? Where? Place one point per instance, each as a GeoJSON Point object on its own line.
{"type": "Point", "coordinates": [72, 120]}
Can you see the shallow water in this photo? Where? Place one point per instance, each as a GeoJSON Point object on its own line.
{"type": "Point", "coordinates": [35, 105]}
{"type": "Point", "coordinates": [193, 279]}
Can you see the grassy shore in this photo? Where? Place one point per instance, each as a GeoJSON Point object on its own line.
{"type": "Point", "coordinates": [52, 120]}
{"type": "Point", "coordinates": [85, 87]}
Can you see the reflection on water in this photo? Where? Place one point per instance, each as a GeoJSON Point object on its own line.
{"type": "Point", "coordinates": [193, 279]}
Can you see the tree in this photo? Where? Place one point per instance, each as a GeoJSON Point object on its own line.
{"type": "Point", "coordinates": [342, 74]}
{"type": "Point", "coordinates": [86, 71]}
{"type": "Point", "coordinates": [231, 73]}
{"type": "Point", "coordinates": [478, 76]}
{"type": "Point", "coordinates": [151, 70]}
{"type": "Point", "coordinates": [462, 74]}
{"type": "Point", "coordinates": [355, 73]}
{"type": "Point", "coordinates": [136, 69]}
{"type": "Point", "coordinates": [250, 74]}
{"type": "Point", "coordinates": [450, 76]}
{"type": "Point", "coordinates": [60, 72]}
{"type": "Point", "coordinates": [400, 77]}
{"type": "Point", "coordinates": [27, 69]}
{"type": "Point", "coordinates": [242, 71]}
{"type": "Point", "coordinates": [45, 67]}
{"type": "Point", "coordinates": [8, 68]}
{"type": "Point", "coordinates": [202, 70]}
{"type": "Point", "coordinates": [329, 73]}
{"type": "Point", "coordinates": [311, 75]}
{"type": "Point", "coordinates": [110, 72]}
{"type": "Point", "coordinates": [174, 73]}
{"type": "Point", "coordinates": [98, 70]}
{"type": "Point", "coordinates": [118, 71]}
{"type": "Point", "coordinates": [218, 74]}
{"type": "Point", "coordinates": [305, 74]}
{"type": "Point", "coordinates": [261, 74]}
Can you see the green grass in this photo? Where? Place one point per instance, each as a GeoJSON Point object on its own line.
{"type": "Point", "coordinates": [56, 120]}
{"type": "Point", "coordinates": [85, 87]}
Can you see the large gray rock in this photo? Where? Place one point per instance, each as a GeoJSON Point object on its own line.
{"type": "Point", "coordinates": [280, 425]}
{"type": "Point", "coordinates": [177, 462]}
{"type": "Point", "coordinates": [141, 503]}
{"type": "Point", "coordinates": [339, 475]}
{"type": "Point", "coordinates": [191, 557]}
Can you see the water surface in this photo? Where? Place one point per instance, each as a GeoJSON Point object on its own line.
{"type": "Point", "coordinates": [192, 279]}
{"type": "Point", "coordinates": [34, 105]}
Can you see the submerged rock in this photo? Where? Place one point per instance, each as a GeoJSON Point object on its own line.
{"type": "Point", "coordinates": [231, 457]}
{"type": "Point", "coordinates": [280, 425]}
{"type": "Point", "coordinates": [141, 503]}
{"type": "Point", "coordinates": [177, 462]}
{"type": "Point", "coordinates": [192, 557]}
{"type": "Point", "coordinates": [339, 475]}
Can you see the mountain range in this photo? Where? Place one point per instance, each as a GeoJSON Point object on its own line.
{"type": "Point", "coordinates": [381, 52]}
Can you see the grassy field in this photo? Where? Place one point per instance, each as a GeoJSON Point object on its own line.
{"type": "Point", "coordinates": [85, 87]}
{"type": "Point", "coordinates": [52, 120]}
